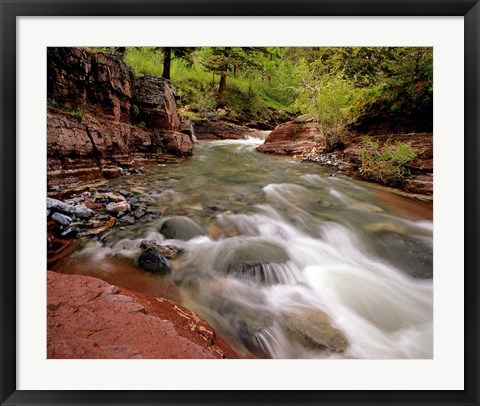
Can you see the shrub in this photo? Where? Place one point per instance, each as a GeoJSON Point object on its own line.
{"type": "Point", "coordinates": [79, 112]}
{"type": "Point", "coordinates": [386, 164]}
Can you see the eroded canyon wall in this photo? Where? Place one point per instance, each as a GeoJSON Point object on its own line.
{"type": "Point", "coordinates": [103, 120]}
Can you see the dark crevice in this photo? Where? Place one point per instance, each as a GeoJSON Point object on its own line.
{"type": "Point", "coordinates": [96, 152]}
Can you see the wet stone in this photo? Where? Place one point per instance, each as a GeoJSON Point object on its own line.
{"type": "Point", "coordinates": [132, 200]}
{"type": "Point", "coordinates": [180, 228]}
{"type": "Point", "coordinates": [62, 219]}
{"type": "Point", "coordinates": [125, 193]}
{"type": "Point", "coordinates": [127, 220]}
{"type": "Point", "coordinates": [153, 261]}
{"type": "Point", "coordinates": [266, 274]}
{"type": "Point", "coordinates": [139, 212]}
{"type": "Point", "coordinates": [313, 328]}
{"type": "Point", "coordinates": [118, 207]}
{"type": "Point", "coordinates": [167, 252]}
{"type": "Point", "coordinates": [83, 212]}
{"type": "Point", "coordinates": [407, 253]}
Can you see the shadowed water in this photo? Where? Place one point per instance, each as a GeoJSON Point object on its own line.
{"type": "Point", "coordinates": [269, 245]}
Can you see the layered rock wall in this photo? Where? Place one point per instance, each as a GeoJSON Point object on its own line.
{"type": "Point", "coordinates": [103, 120]}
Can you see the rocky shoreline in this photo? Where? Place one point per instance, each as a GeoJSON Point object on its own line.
{"type": "Point", "coordinates": [303, 139]}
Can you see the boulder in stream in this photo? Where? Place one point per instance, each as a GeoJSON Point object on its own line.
{"type": "Point", "coordinates": [180, 228]}
{"type": "Point", "coordinates": [167, 252]}
{"type": "Point", "coordinates": [314, 328]}
{"type": "Point", "coordinates": [153, 261]}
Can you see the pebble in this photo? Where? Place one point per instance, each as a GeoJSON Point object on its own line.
{"type": "Point", "coordinates": [127, 220]}
{"type": "Point", "coordinates": [118, 207]}
{"type": "Point", "coordinates": [139, 212]}
{"type": "Point", "coordinates": [68, 231]}
{"type": "Point", "coordinates": [132, 200]}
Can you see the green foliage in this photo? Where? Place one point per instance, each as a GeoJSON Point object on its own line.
{"type": "Point", "coordinates": [142, 124]}
{"type": "Point", "coordinates": [135, 110]}
{"type": "Point", "coordinates": [52, 102]}
{"type": "Point", "coordinates": [79, 112]}
{"type": "Point", "coordinates": [393, 84]}
{"type": "Point", "coordinates": [326, 94]}
{"type": "Point", "coordinates": [145, 60]}
{"type": "Point", "coordinates": [386, 164]}
{"type": "Point", "coordinates": [339, 86]}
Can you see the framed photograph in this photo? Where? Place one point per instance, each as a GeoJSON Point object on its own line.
{"type": "Point", "coordinates": [251, 181]}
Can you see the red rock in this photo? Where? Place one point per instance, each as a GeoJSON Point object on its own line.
{"type": "Point", "coordinates": [177, 143]}
{"type": "Point", "coordinates": [111, 173]}
{"type": "Point", "coordinates": [100, 228]}
{"type": "Point", "coordinates": [95, 105]}
{"type": "Point", "coordinates": [220, 130]}
{"type": "Point", "coordinates": [89, 318]}
{"type": "Point", "coordinates": [155, 99]}
{"type": "Point", "coordinates": [294, 137]}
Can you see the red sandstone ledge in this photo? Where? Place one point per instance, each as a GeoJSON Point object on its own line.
{"type": "Point", "coordinates": [89, 318]}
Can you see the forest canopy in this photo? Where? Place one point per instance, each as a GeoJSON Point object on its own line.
{"type": "Point", "coordinates": [341, 87]}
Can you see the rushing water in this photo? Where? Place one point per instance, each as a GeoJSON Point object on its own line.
{"type": "Point", "coordinates": [267, 242]}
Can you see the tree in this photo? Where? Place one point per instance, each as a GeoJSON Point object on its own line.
{"type": "Point", "coordinates": [221, 60]}
{"type": "Point", "coordinates": [169, 53]}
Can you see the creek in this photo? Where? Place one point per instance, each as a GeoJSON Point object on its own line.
{"type": "Point", "coordinates": [284, 259]}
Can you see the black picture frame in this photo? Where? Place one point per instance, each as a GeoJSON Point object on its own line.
{"type": "Point", "coordinates": [9, 10]}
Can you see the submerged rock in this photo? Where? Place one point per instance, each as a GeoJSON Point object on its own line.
{"type": "Point", "coordinates": [263, 273]}
{"type": "Point", "coordinates": [153, 261]}
{"type": "Point", "coordinates": [407, 253]}
{"type": "Point", "coordinates": [314, 328]}
{"type": "Point", "coordinates": [247, 256]}
{"type": "Point", "coordinates": [180, 228]}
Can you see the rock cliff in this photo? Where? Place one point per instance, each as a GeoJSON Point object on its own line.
{"type": "Point", "coordinates": [103, 120]}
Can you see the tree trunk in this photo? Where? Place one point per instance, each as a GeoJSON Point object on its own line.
{"type": "Point", "coordinates": [119, 51]}
{"type": "Point", "coordinates": [167, 59]}
{"type": "Point", "coordinates": [221, 88]}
